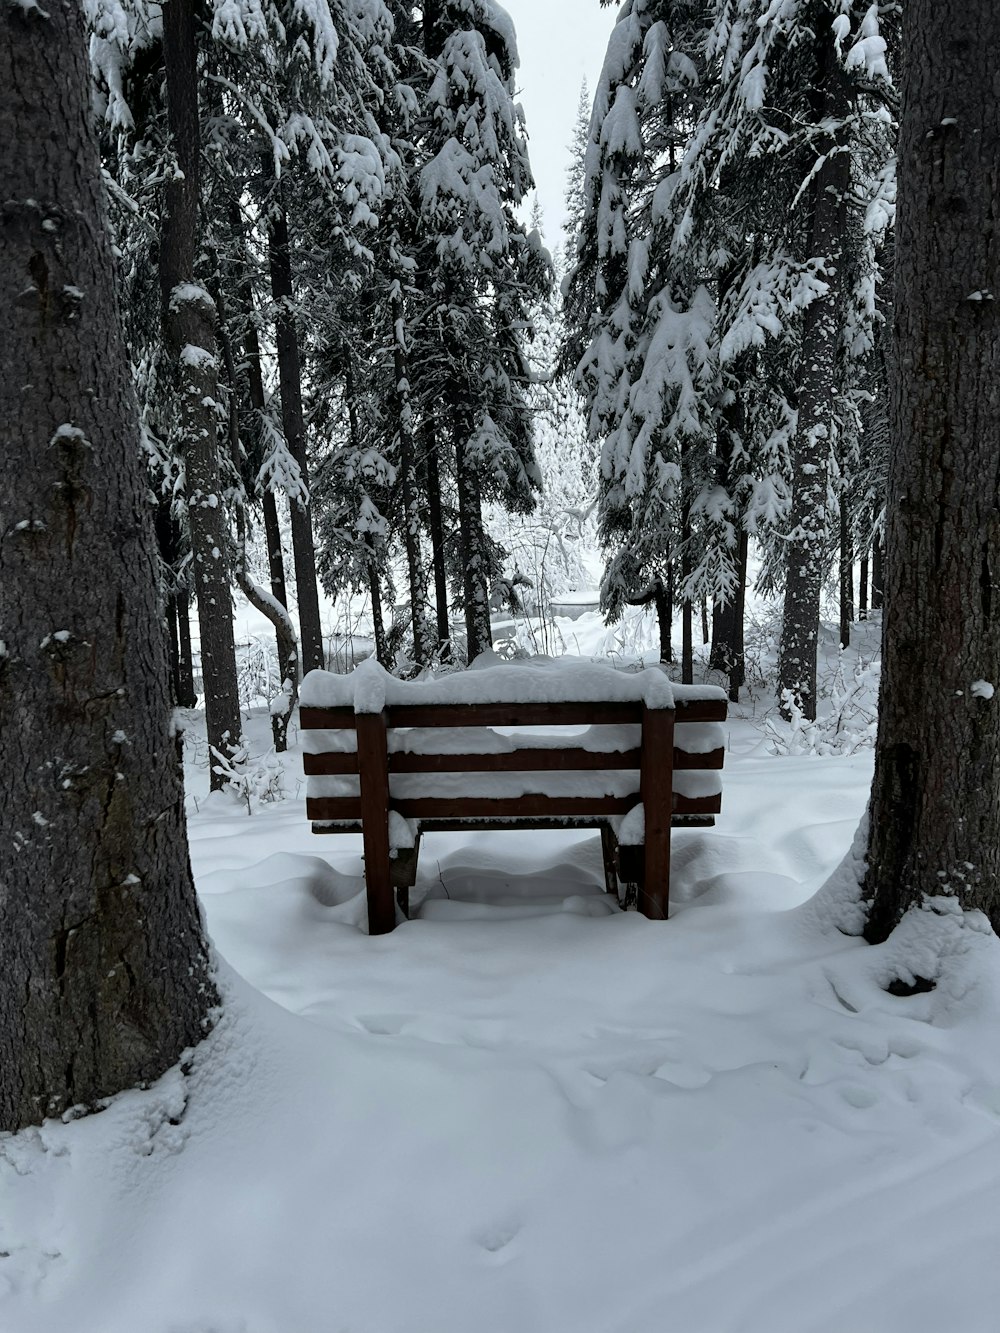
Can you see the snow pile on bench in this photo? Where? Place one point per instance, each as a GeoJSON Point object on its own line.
{"type": "Point", "coordinates": [370, 688]}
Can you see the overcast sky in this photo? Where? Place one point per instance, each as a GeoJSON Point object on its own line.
{"type": "Point", "coordinates": [560, 42]}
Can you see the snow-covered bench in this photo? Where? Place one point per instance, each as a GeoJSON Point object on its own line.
{"type": "Point", "coordinates": [477, 749]}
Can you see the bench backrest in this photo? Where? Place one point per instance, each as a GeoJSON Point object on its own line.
{"type": "Point", "coordinates": [399, 742]}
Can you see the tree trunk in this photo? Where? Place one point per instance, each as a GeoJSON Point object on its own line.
{"type": "Point", "coordinates": [878, 575]}
{"type": "Point", "coordinates": [863, 588]}
{"type": "Point", "coordinates": [846, 569]}
{"type": "Point", "coordinates": [436, 527]}
{"type": "Point", "coordinates": [935, 806]}
{"type": "Point", "coordinates": [293, 423]}
{"type": "Point", "coordinates": [422, 646]}
{"type": "Point", "coordinates": [806, 542]}
{"type": "Point", "coordinates": [283, 704]}
{"type": "Point", "coordinates": [476, 597]}
{"type": "Point", "coordinates": [104, 972]}
{"type": "Point", "coordinates": [288, 667]}
{"type": "Point", "coordinates": [189, 334]}
{"type": "Point", "coordinates": [187, 696]}
{"type": "Point", "coordinates": [665, 618]}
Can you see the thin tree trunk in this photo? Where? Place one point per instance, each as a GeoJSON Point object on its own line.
{"type": "Point", "coordinates": [371, 553]}
{"type": "Point", "coordinates": [863, 589]}
{"type": "Point", "coordinates": [288, 667]}
{"type": "Point", "coordinates": [471, 538]}
{"type": "Point", "coordinates": [104, 972]}
{"type": "Point", "coordinates": [878, 574]}
{"type": "Point", "coordinates": [187, 696]}
{"type": "Point", "coordinates": [737, 642]}
{"type": "Point", "coordinates": [422, 646]}
{"type": "Point", "coordinates": [282, 706]}
{"type": "Point", "coordinates": [806, 543]}
{"type": "Point", "coordinates": [189, 333]}
{"type": "Point", "coordinates": [436, 528]}
{"type": "Point", "coordinates": [846, 569]}
{"type": "Point", "coordinates": [664, 620]}
{"type": "Point", "coordinates": [934, 830]}
{"type": "Point", "coordinates": [294, 426]}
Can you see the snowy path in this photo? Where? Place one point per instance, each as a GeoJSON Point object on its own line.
{"type": "Point", "coordinates": [525, 1112]}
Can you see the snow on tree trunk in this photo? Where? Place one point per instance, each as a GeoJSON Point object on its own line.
{"type": "Point", "coordinates": [189, 334]}
{"type": "Point", "coordinates": [293, 423]}
{"type": "Point", "coordinates": [422, 640]}
{"type": "Point", "coordinates": [806, 558]}
{"type": "Point", "coordinates": [104, 972]}
{"type": "Point", "coordinates": [935, 807]}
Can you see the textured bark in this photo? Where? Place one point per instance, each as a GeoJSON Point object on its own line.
{"type": "Point", "coordinates": [935, 808]}
{"type": "Point", "coordinates": [189, 333]}
{"type": "Point", "coordinates": [186, 696]}
{"type": "Point", "coordinates": [863, 588]}
{"type": "Point", "coordinates": [104, 973]}
{"type": "Point", "coordinates": [294, 426]}
{"type": "Point", "coordinates": [806, 545]}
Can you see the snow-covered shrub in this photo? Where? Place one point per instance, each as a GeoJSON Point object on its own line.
{"type": "Point", "coordinates": [847, 726]}
{"type": "Point", "coordinates": [253, 779]}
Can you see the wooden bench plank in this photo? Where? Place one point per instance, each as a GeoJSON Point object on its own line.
{"type": "Point", "coordinates": [529, 760]}
{"type": "Point", "coordinates": [512, 807]}
{"type": "Point", "coordinates": [515, 715]}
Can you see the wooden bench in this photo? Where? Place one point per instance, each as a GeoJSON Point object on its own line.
{"type": "Point", "coordinates": [643, 766]}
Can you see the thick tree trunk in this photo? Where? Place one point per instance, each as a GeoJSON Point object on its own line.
{"type": "Point", "coordinates": [935, 807]}
{"type": "Point", "coordinates": [104, 973]}
{"type": "Point", "coordinates": [806, 543]}
{"type": "Point", "coordinates": [189, 334]}
{"type": "Point", "coordinates": [422, 645]}
{"type": "Point", "coordinates": [294, 426]}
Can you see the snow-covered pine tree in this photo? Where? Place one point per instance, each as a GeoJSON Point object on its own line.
{"type": "Point", "coordinates": [486, 274]}
{"type": "Point", "coordinates": [649, 369]}
{"type": "Point", "coordinates": [795, 109]}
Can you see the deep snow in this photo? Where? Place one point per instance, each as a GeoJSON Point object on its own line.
{"type": "Point", "coordinates": [527, 1112]}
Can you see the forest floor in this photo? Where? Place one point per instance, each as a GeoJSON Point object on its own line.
{"type": "Point", "coordinates": [526, 1111]}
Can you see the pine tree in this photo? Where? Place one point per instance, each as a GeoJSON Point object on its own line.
{"type": "Point", "coordinates": [934, 823]}
{"type": "Point", "coordinates": [104, 971]}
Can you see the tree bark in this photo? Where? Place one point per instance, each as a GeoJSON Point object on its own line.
{"type": "Point", "coordinates": [435, 515]}
{"type": "Point", "coordinates": [294, 426]}
{"type": "Point", "coordinates": [478, 634]}
{"type": "Point", "coordinates": [186, 695]}
{"type": "Point", "coordinates": [935, 806]}
{"type": "Point", "coordinates": [806, 542]}
{"type": "Point", "coordinates": [417, 576]}
{"type": "Point", "coordinates": [846, 570]}
{"type": "Point", "coordinates": [863, 588]}
{"type": "Point", "coordinates": [878, 575]}
{"type": "Point", "coordinates": [188, 314]}
{"type": "Point", "coordinates": [104, 972]}
{"type": "Point", "coordinates": [287, 666]}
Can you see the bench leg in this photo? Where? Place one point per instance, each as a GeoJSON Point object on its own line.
{"type": "Point", "coordinates": [373, 764]}
{"type": "Point", "coordinates": [404, 874]}
{"type": "Point", "coordinates": [609, 846]}
{"type": "Point", "coordinates": [631, 873]}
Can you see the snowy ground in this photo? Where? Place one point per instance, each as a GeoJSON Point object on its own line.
{"type": "Point", "coordinates": [527, 1112]}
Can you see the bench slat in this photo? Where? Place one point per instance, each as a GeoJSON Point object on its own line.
{"type": "Point", "coordinates": [511, 807]}
{"type": "Point", "coordinates": [515, 715]}
{"type": "Point", "coordinates": [527, 760]}
{"type": "Point", "coordinates": [333, 807]}
{"type": "Point", "coordinates": [332, 763]}
{"type": "Point", "coordinates": [327, 719]}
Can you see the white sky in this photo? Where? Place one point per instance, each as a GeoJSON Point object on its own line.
{"type": "Point", "coordinates": [560, 42]}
